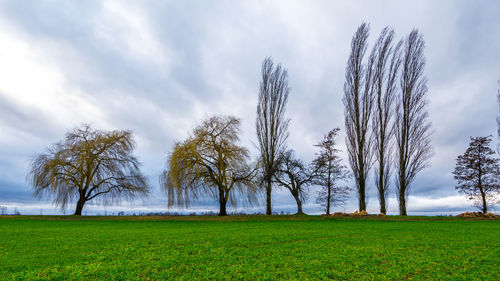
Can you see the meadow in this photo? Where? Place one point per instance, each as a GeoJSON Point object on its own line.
{"type": "Point", "coordinates": [248, 247]}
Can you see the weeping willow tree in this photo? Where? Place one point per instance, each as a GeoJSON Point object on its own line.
{"type": "Point", "coordinates": [210, 164]}
{"type": "Point", "coordinates": [88, 165]}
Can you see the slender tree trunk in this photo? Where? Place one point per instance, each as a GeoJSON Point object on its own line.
{"type": "Point", "coordinates": [381, 191]}
{"type": "Point", "coordinates": [299, 204]}
{"type": "Point", "coordinates": [381, 184]}
{"type": "Point", "coordinates": [382, 202]}
{"type": "Point", "coordinates": [328, 199]}
{"type": "Point", "coordinates": [485, 207]}
{"type": "Point", "coordinates": [483, 194]}
{"type": "Point", "coordinates": [222, 203]}
{"type": "Point", "coordinates": [362, 196]}
{"type": "Point", "coordinates": [268, 197]}
{"type": "Point", "coordinates": [79, 206]}
{"type": "Point", "coordinates": [402, 201]}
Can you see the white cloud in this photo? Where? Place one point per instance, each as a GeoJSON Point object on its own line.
{"type": "Point", "coordinates": [125, 28]}
{"type": "Point", "coordinates": [31, 80]}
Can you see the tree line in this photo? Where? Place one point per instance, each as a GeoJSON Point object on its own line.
{"type": "Point", "coordinates": [386, 124]}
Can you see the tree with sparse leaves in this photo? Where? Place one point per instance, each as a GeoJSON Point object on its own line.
{"type": "Point", "coordinates": [294, 175]}
{"type": "Point", "coordinates": [477, 173]}
{"type": "Point", "coordinates": [412, 128]}
{"type": "Point", "coordinates": [3, 210]}
{"type": "Point", "coordinates": [498, 117]}
{"type": "Point", "coordinates": [385, 73]}
{"type": "Point", "coordinates": [358, 101]}
{"type": "Point", "coordinates": [89, 165]}
{"type": "Point", "coordinates": [329, 171]}
{"type": "Point", "coordinates": [210, 163]}
{"type": "Point", "coordinates": [271, 123]}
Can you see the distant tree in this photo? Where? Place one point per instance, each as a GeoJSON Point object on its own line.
{"type": "Point", "coordinates": [3, 210]}
{"type": "Point", "coordinates": [271, 123]}
{"type": "Point", "coordinates": [385, 73]}
{"type": "Point", "coordinates": [477, 173]}
{"type": "Point", "coordinates": [412, 128]}
{"type": "Point", "coordinates": [329, 171]}
{"type": "Point", "coordinates": [498, 117]}
{"type": "Point", "coordinates": [295, 176]}
{"type": "Point", "coordinates": [210, 163]}
{"type": "Point", "coordinates": [88, 165]}
{"type": "Point", "coordinates": [358, 101]}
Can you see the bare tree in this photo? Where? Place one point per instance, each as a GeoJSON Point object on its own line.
{"type": "Point", "coordinates": [89, 164]}
{"type": "Point", "coordinates": [385, 73]}
{"type": "Point", "coordinates": [358, 101]}
{"type": "Point", "coordinates": [271, 124]}
{"type": "Point", "coordinates": [329, 171]}
{"type": "Point", "coordinates": [210, 163]}
{"type": "Point", "coordinates": [498, 117]}
{"type": "Point", "coordinates": [295, 176]}
{"type": "Point", "coordinates": [412, 128]}
{"type": "Point", "coordinates": [3, 210]}
{"type": "Point", "coordinates": [477, 173]}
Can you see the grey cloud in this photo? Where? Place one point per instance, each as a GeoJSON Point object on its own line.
{"type": "Point", "coordinates": [212, 53]}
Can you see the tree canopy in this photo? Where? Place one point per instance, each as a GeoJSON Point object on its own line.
{"type": "Point", "coordinates": [294, 175]}
{"type": "Point", "coordinates": [88, 165]}
{"type": "Point", "coordinates": [358, 101]}
{"type": "Point", "coordinates": [329, 171]}
{"type": "Point", "coordinates": [477, 173]}
{"type": "Point", "coordinates": [210, 164]}
{"type": "Point", "coordinates": [271, 124]}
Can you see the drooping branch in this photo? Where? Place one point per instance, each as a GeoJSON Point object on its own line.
{"type": "Point", "coordinates": [211, 164]}
{"type": "Point", "coordinates": [89, 164]}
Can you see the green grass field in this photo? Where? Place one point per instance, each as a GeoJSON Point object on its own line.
{"type": "Point", "coordinates": [253, 247]}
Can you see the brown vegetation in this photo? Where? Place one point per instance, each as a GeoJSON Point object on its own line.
{"type": "Point", "coordinates": [477, 215]}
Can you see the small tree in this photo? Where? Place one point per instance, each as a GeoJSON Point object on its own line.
{"type": "Point", "coordinates": [210, 163]}
{"type": "Point", "coordinates": [88, 165]}
{"type": "Point", "coordinates": [3, 210]}
{"type": "Point", "coordinates": [498, 117]}
{"type": "Point", "coordinates": [477, 173]}
{"type": "Point", "coordinates": [295, 176]}
{"type": "Point", "coordinates": [329, 171]}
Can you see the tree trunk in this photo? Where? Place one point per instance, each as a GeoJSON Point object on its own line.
{"type": "Point", "coordinates": [382, 201]}
{"type": "Point", "coordinates": [222, 209]}
{"type": "Point", "coordinates": [381, 185]}
{"type": "Point", "coordinates": [402, 202]}
{"type": "Point", "coordinates": [222, 203]}
{"type": "Point", "coordinates": [268, 197]}
{"type": "Point", "coordinates": [328, 198]}
{"type": "Point", "coordinates": [485, 207]}
{"type": "Point", "coordinates": [299, 205]}
{"type": "Point", "coordinates": [362, 196]}
{"type": "Point", "coordinates": [79, 206]}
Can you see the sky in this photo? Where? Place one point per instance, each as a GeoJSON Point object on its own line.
{"type": "Point", "coordinates": [160, 67]}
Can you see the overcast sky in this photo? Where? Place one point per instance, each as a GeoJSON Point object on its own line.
{"type": "Point", "coordinates": [159, 67]}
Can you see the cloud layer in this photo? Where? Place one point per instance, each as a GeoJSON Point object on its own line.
{"type": "Point", "coordinates": [157, 68]}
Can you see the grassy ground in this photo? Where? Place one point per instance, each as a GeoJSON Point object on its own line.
{"type": "Point", "coordinates": [253, 247]}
